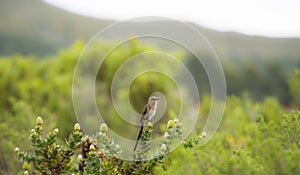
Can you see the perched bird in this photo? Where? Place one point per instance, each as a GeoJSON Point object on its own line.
{"type": "Point", "coordinates": [148, 113]}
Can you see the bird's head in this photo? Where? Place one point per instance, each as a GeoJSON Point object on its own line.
{"type": "Point", "coordinates": [153, 98]}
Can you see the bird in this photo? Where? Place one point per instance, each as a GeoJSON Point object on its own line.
{"type": "Point", "coordinates": [148, 112]}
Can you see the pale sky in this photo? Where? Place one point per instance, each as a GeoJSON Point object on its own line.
{"type": "Point", "coordinates": [274, 18]}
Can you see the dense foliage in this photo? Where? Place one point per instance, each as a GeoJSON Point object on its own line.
{"type": "Point", "coordinates": [263, 146]}
{"type": "Point", "coordinates": [95, 154]}
{"type": "Point", "coordinates": [255, 137]}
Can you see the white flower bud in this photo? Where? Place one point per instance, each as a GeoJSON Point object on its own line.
{"type": "Point", "coordinates": [166, 135]}
{"type": "Point", "coordinates": [150, 125]}
{"type": "Point", "coordinates": [163, 147]}
{"type": "Point", "coordinates": [118, 147]}
{"type": "Point", "coordinates": [170, 124]}
{"type": "Point", "coordinates": [76, 127]}
{"type": "Point", "coordinates": [101, 134]}
{"type": "Point", "coordinates": [17, 149]}
{"type": "Point", "coordinates": [79, 157]}
{"type": "Point", "coordinates": [39, 120]}
{"type": "Point", "coordinates": [103, 127]}
{"type": "Point", "coordinates": [204, 134]}
{"type": "Point", "coordinates": [92, 147]}
{"type": "Point", "coordinates": [56, 130]}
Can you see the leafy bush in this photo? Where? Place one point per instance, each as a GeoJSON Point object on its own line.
{"type": "Point", "coordinates": [244, 147]}
{"type": "Point", "coordinates": [95, 154]}
{"type": "Point", "coordinates": [263, 147]}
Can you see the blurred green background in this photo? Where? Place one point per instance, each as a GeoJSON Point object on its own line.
{"type": "Point", "coordinates": [40, 45]}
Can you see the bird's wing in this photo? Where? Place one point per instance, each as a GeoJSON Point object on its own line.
{"type": "Point", "coordinates": [146, 109]}
{"type": "Point", "coordinates": [145, 112]}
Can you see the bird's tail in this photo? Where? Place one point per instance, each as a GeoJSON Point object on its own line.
{"type": "Point", "coordinates": [138, 138]}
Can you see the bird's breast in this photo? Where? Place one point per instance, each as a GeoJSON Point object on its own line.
{"type": "Point", "coordinates": [151, 113]}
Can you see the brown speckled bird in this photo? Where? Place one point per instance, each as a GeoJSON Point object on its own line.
{"type": "Point", "coordinates": [148, 113]}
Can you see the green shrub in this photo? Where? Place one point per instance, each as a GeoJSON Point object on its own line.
{"type": "Point", "coordinates": [257, 147]}
{"type": "Point", "coordinates": [97, 154]}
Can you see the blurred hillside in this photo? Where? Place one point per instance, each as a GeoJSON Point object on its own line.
{"type": "Point", "coordinates": [36, 28]}
{"type": "Point", "coordinates": [32, 27]}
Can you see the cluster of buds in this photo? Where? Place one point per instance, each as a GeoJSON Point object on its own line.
{"type": "Point", "coordinates": [39, 122]}
{"type": "Point", "coordinates": [163, 147]}
{"type": "Point", "coordinates": [26, 165]}
{"type": "Point", "coordinates": [103, 130]}
{"type": "Point", "coordinates": [172, 123]}
{"type": "Point", "coordinates": [107, 145]}
{"type": "Point", "coordinates": [196, 141]}
{"type": "Point", "coordinates": [92, 149]}
{"type": "Point", "coordinates": [18, 152]}
{"type": "Point", "coordinates": [77, 131]}
{"type": "Point", "coordinates": [174, 131]}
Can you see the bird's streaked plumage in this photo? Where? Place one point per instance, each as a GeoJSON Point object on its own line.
{"type": "Point", "coordinates": [148, 113]}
